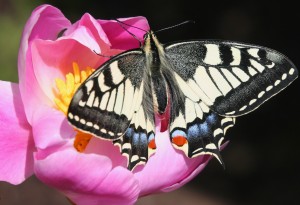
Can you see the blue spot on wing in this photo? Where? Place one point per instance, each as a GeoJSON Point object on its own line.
{"type": "Point", "coordinates": [211, 119]}
{"type": "Point", "coordinates": [129, 132]}
{"type": "Point", "coordinates": [178, 133]}
{"type": "Point", "coordinates": [193, 131]}
{"type": "Point", "coordinates": [203, 128]}
{"type": "Point", "coordinates": [151, 136]}
{"type": "Point", "coordinates": [138, 139]}
{"type": "Point", "coordinates": [144, 139]}
{"type": "Point", "coordinates": [135, 138]}
{"type": "Point", "coordinates": [200, 133]}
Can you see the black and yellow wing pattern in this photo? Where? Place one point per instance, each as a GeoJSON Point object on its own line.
{"type": "Point", "coordinates": [206, 84]}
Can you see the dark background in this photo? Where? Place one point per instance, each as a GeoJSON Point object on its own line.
{"type": "Point", "coordinates": [262, 158]}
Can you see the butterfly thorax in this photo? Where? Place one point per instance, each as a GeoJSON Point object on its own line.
{"type": "Point", "coordinates": [154, 52]}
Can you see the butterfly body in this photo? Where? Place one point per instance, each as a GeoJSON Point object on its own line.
{"type": "Point", "coordinates": [206, 84]}
{"type": "Point", "coordinates": [152, 51]}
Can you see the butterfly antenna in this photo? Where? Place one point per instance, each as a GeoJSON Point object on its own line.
{"type": "Point", "coordinates": [134, 36]}
{"type": "Point", "coordinates": [101, 55]}
{"type": "Point", "coordinates": [177, 25]}
{"type": "Point", "coordinates": [126, 24]}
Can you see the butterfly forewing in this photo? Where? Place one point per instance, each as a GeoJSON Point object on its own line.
{"type": "Point", "coordinates": [109, 105]}
{"type": "Point", "coordinates": [100, 105]}
{"type": "Point", "coordinates": [214, 81]}
{"type": "Point", "coordinates": [231, 78]}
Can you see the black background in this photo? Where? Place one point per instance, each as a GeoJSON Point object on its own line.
{"type": "Point", "coordinates": [262, 158]}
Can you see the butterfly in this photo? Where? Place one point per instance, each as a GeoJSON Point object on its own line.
{"type": "Point", "coordinates": [205, 83]}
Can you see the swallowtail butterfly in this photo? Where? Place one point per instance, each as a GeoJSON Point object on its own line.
{"type": "Point", "coordinates": [207, 83]}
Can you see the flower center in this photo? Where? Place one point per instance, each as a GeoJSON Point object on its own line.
{"type": "Point", "coordinates": [66, 90]}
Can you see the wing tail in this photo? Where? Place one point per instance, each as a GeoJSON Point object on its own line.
{"type": "Point", "coordinates": [199, 131]}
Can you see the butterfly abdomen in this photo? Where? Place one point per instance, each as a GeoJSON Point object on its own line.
{"type": "Point", "coordinates": [159, 91]}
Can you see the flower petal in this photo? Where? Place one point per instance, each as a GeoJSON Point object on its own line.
{"type": "Point", "coordinates": [16, 144]}
{"type": "Point", "coordinates": [106, 148]}
{"type": "Point", "coordinates": [54, 59]}
{"type": "Point", "coordinates": [192, 174]}
{"type": "Point", "coordinates": [45, 22]}
{"type": "Point", "coordinates": [93, 35]}
{"type": "Point", "coordinates": [51, 128]}
{"type": "Point", "coordinates": [167, 166]}
{"type": "Point", "coordinates": [85, 37]}
{"type": "Point", "coordinates": [121, 38]}
{"type": "Point", "coordinates": [87, 179]}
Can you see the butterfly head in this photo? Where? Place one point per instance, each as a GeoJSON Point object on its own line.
{"type": "Point", "coordinates": [148, 36]}
{"type": "Point", "coordinates": [151, 42]}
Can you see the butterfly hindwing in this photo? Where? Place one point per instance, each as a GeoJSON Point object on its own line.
{"type": "Point", "coordinates": [138, 143]}
{"type": "Point", "coordinates": [231, 78]}
{"type": "Point", "coordinates": [203, 135]}
{"type": "Point", "coordinates": [194, 128]}
{"type": "Point", "coordinates": [110, 105]}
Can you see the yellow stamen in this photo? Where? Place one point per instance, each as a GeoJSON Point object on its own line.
{"type": "Point", "coordinates": [66, 90]}
{"type": "Point", "coordinates": [76, 72]}
{"type": "Point", "coordinates": [61, 106]}
{"type": "Point", "coordinates": [70, 82]}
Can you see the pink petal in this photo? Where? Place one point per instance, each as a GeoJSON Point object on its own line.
{"type": "Point", "coordinates": [51, 129]}
{"type": "Point", "coordinates": [189, 177]}
{"type": "Point", "coordinates": [85, 37]}
{"type": "Point", "coordinates": [16, 144]}
{"type": "Point", "coordinates": [54, 59]}
{"type": "Point", "coordinates": [45, 22]}
{"type": "Point", "coordinates": [89, 32]}
{"type": "Point", "coordinates": [106, 148]}
{"type": "Point", "coordinates": [166, 167]}
{"type": "Point", "coordinates": [193, 174]}
{"type": "Point", "coordinates": [121, 38]}
{"type": "Point", "coordinates": [87, 179]}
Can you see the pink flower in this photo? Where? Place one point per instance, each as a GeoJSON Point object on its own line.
{"type": "Point", "coordinates": [55, 57]}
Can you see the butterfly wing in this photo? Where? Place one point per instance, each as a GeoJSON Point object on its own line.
{"type": "Point", "coordinates": [138, 142]}
{"type": "Point", "coordinates": [231, 78]}
{"type": "Point", "coordinates": [214, 81]}
{"type": "Point", "coordinates": [110, 105]}
{"type": "Point", "coordinates": [194, 128]}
